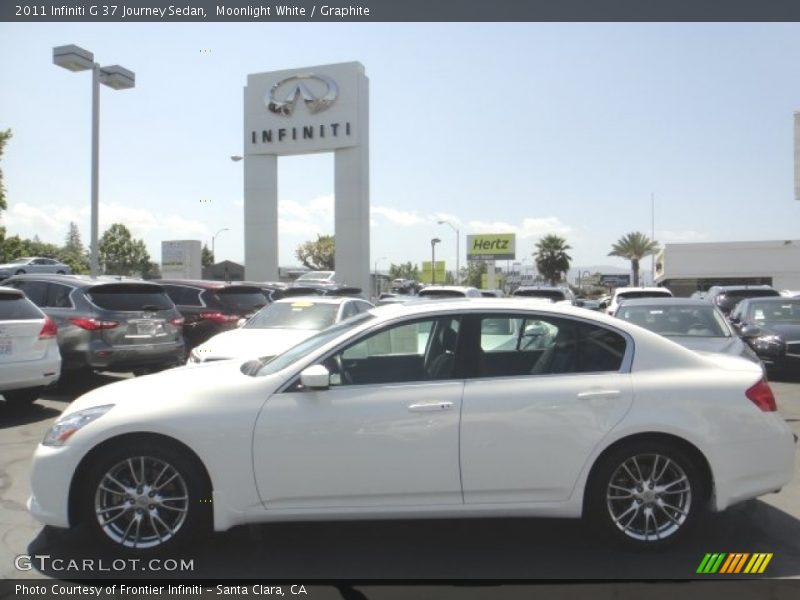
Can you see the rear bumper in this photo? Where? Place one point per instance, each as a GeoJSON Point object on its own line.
{"type": "Point", "coordinates": [124, 358]}
{"type": "Point", "coordinates": [31, 374]}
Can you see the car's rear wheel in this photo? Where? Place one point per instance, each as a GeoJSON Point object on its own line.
{"type": "Point", "coordinates": [20, 272]}
{"type": "Point", "coordinates": [646, 494]}
{"type": "Point", "coordinates": [145, 498]}
{"type": "Point", "coordinates": [24, 397]}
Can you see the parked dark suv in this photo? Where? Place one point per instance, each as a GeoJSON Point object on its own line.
{"type": "Point", "coordinates": [726, 297]}
{"type": "Point", "coordinates": [108, 324]}
{"type": "Point", "coordinates": [211, 307]}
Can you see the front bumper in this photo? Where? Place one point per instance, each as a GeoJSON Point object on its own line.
{"type": "Point", "coordinates": [52, 470]}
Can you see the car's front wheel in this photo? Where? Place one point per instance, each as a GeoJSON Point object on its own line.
{"type": "Point", "coordinates": [646, 494]}
{"type": "Point", "coordinates": [145, 497]}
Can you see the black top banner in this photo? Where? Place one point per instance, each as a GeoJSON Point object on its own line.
{"type": "Point", "coordinates": [398, 10]}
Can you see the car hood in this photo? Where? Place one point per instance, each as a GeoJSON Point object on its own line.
{"type": "Point", "coordinates": [251, 343]}
{"type": "Point", "coordinates": [220, 380]}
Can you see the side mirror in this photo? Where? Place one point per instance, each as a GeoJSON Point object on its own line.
{"type": "Point", "coordinates": [315, 377]}
{"type": "Point", "coordinates": [241, 322]}
{"type": "Point", "coordinates": [750, 331]}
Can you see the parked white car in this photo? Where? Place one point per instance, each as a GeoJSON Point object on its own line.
{"type": "Point", "coordinates": [277, 327]}
{"type": "Point", "coordinates": [29, 356]}
{"type": "Point", "coordinates": [410, 411]}
{"type": "Point", "coordinates": [628, 293]}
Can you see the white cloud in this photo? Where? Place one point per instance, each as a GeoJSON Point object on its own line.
{"type": "Point", "coordinates": [399, 217]}
{"type": "Point", "coordinates": [530, 228]}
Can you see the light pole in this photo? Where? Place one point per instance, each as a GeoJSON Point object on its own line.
{"type": "Point", "coordinates": [458, 251]}
{"type": "Point", "coordinates": [375, 270]}
{"type": "Point", "coordinates": [434, 241]}
{"type": "Point", "coordinates": [213, 239]}
{"type": "Point", "coordinates": [74, 58]}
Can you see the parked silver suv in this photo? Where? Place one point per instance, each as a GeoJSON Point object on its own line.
{"type": "Point", "coordinates": [108, 325]}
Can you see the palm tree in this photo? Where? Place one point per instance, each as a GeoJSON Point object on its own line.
{"type": "Point", "coordinates": [551, 257]}
{"type": "Point", "coordinates": [634, 246]}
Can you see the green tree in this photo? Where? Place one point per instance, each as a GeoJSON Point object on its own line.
{"type": "Point", "coordinates": [207, 258]}
{"type": "Point", "coordinates": [73, 253]}
{"type": "Point", "coordinates": [120, 254]}
{"type": "Point", "coordinates": [406, 270]}
{"type": "Point", "coordinates": [473, 272]}
{"type": "Point", "coordinates": [634, 246]}
{"type": "Point", "coordinates": [551, 257]}
{"type": "Point", "coordinates": [317, 255]}
{"type": "Point", "coordinates": [4, 137]}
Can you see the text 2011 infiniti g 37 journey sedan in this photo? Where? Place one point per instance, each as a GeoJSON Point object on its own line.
{"type": "Point", "coordinates": [464, 407]}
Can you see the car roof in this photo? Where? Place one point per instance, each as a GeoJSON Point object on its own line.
{"type": "Point", "coordinates": [769, 299]}
{"type": "Point", "coordinates": [721, 289]}
{"type": "Point", "coordinates": [79, 281]}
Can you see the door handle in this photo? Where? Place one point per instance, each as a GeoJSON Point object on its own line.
{"type": "Point", "coordinates": [591, 394]}
{"type": "Point", "coordinates": [430, 406]}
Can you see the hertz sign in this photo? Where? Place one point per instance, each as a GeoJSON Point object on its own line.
{"type": "Point", "coordinates": [491, 246]}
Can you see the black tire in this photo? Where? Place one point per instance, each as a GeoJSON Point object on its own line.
{"type": "Point", "coordinates": [623, 505]}
{"type": "Point", "coordinates": [61, 272]}
{"type": "Point", "coordinates": [20, 272]}
{"type": "Point", "coordinates": [20, 398]}
{"type": "Point", "coordinates": [154, 477]}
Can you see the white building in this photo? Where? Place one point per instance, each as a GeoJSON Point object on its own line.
{"type": "Point", "coordinates": [686, 268]}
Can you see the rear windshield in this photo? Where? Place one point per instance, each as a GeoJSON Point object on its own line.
{"type": "Point", "coordinates": [642, 294]}
{"type": "Point", "coordinates": [553, 295]}
{"type": "Point", "coordinates": [130, 297]}
{"type": "Point", "coordinates": [13, 307]}
{"type": "Point", "coordinates": [294, 315]}
{"type": "Point", "coordinates": [442, 294]}
{"type": "Point", "coordinates": [240, 297]}
{"type": "Point", "coordinates": [749, 293]}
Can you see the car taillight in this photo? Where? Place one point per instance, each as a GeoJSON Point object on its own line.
{"type": "Point", "coordinates": [761, 395]}
{"type": "Point", "coordinates": [49, 329]}
{"type": "Point", "coordinates": [178, 322]}
{"type": "Point", "coordinates": [92, 324]}
{"type": "Point", "coordinates": [219, 317]}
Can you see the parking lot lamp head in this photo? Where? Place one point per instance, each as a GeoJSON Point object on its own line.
{"type": "Point", "coordinates": [74, 58]}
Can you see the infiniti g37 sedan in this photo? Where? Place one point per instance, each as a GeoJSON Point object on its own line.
{"type": "Point", "coordinates": [458, 408]}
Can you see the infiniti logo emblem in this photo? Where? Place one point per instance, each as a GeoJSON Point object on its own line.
{"type": "Point", "coordinates": [318, 92]}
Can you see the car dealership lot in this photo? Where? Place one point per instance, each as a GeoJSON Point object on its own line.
{"type": "Point", "coordinates": [481, 548]}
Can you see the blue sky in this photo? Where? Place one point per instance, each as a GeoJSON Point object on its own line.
{"type": "Point", "coordinates": [535, 128]}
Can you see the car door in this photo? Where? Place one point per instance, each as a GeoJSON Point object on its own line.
{"type": "Point", "coordinates": [545, 390]}
{"type": "Point", "coordinates": [384, 434]}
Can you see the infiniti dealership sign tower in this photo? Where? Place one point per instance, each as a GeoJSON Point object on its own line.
{"type": "Point", "coordinates": [304, 111]}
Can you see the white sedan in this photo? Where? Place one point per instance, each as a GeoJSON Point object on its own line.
{"type": "Point", "coordinates": [278, 326]}
{"type": "Point", "coordinates": [420, 410]}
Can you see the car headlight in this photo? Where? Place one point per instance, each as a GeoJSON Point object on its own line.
{"type": "Point", "coordinates": [767, 342]}
{"type": "Point", "coordinates": [63, 428]}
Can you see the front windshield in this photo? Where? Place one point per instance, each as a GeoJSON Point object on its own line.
{"type": "Point", "coordinates": [302, 314]}
{"type": "Point", "coordinates": [693, 321]}
{"type": "Point", "coordinates": [776, 312]}
{"type": "Point", "coordinates": [310, 345]}
{"type": "Point", "coordinates": [316, 276]}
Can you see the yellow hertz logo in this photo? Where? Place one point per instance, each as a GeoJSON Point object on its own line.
{"type": "Point", "coordinates": [741, 562]}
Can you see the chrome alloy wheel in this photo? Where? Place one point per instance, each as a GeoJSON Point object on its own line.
{"type": "Point", "coordinates": [141, 502]}
{"type": "Point", "coordinates": [649, 497]}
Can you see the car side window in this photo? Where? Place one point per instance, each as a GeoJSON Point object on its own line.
{"type": "Point", "coordinates": [58, 296]}
{"type": "Point", "coordinates": [36, 291]}
{"type": "Point", "coordinates": [546, 345]}
{"type": "Point", "coordinates": [419, 351]}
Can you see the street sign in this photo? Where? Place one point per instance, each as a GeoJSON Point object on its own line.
{"type": "Point", "coordinates": [441, 272]}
